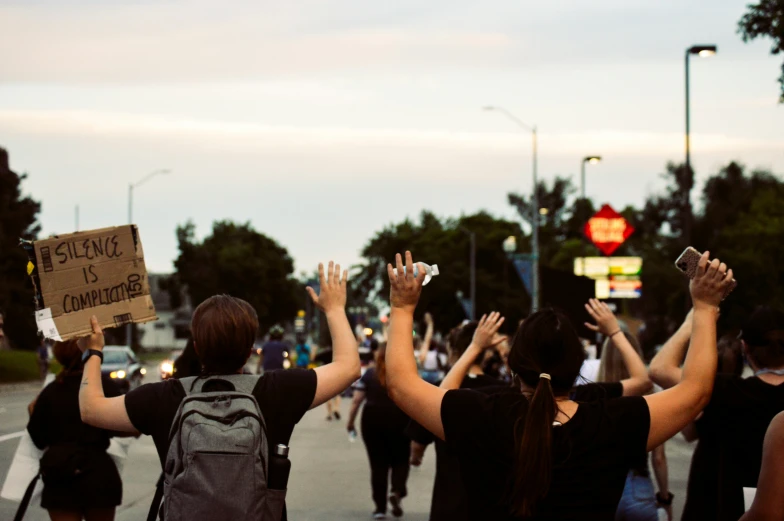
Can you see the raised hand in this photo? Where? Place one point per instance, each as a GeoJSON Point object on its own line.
{"type": "Point", "coordinates": [332, 294]}
{"type": "Point", "coordinates": [404, 287]}
{"type": "Point", "coordinates": [606, 323]}
{"type": "Point", "coordinates": [710, 284]}
{"type": "Point", "coordinates": [95, 340]}
{"type": "Point", "coordinates": [486, 334]}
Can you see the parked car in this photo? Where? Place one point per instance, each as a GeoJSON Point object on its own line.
{"type": "Point", "coordinates": [121, 365]}
{"type": "Point", "coordinates": [167, 366]}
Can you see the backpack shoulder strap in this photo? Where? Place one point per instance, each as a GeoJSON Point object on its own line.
{"type": "Point", "coordinates": [188, 384]}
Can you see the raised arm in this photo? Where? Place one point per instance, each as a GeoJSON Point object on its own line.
{"type": "Point", "coordinates": [335, 377]}
{"type": "Point", "coordinates": [665, 367]}
{"type": "Point", "coordinates": [769, 501]}
{"type": "Point", "coordinates": [425, 347]}
{"type": "Point", "coordinates": [671, 410]}
{"type": "Point", "coordinates": [417, 398]}
{"type": "Point", "coordinates": [638, 382]}
{"type": "Point", "coordinates": [95, 408]}
{"type": "Point", "coordinates": [485, 336]}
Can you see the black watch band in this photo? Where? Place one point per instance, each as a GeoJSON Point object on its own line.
{"type": "Point", "coordinates": [90, 352]}
{"type": "Point", "coordinates": [664, 501]}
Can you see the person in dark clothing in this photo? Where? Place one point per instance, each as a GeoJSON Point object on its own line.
{"type": "Point", "coordinates": [383, 431]}
{"type": "Point", "coordinates": [449, 494]}
{"type": "Point", "coordinates": [732, 427]}
{"type": "Point", "coordinates": [42, 357]}
{"type": "Point", "coordinates": [187, 364]}
{"type": "Point", "coordinates": [274, 352]}
{"type": "Point", "coordinates": [530, 452]}
{"type": "Point", "coordinates": [224, 329]}
{"type": "Point", "coordinates": [80, 478]}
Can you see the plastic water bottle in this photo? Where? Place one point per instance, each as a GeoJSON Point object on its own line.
{"type": "Point", "coordinates": [279, 468]}
{"type": "Point", "coordinates": [430, 271]}
{"type": "Point", "coordinates": [352, 435]}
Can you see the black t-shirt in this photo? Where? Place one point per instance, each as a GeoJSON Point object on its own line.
{"type": "Point", "coordinates": [731, 432]}
{"type": "Point", "coordinates": [592, 453]}
{"type": "Point", "coordinates": [283, 397]}
{"type": "Point", "coordinates": [56, 417]}
{"type": "Point", "coordinates": [449, 493]}
{"type": "Point", "coordinates": [375, 394]}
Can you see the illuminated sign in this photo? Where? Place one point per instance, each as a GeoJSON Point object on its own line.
{"type": "Point", "coordinates": [607, 229]}
{"type": "Point", "coordinates": [616, 277]}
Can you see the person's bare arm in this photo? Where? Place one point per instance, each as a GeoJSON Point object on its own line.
{"type": "Point", "coordinates": [95, 408]}
{"type": "Point", "coordinates": [665, 367]}
{"type": "Point", "coordinates": [417, 398]}
{"type": "Point", "coordinates": [768, 502]}
{"type": "Point", "coordinates": [356, 403]}
{"type": "Point", "coordinates": [638, 382]}
{"type": "Point", "coordinates": [661, 473]}
{"type": "Point", "coordinates": [335, 377]}
{"type": "Point", "coordinates": [485, 336]}
{"type": "Point", "coordinates": [689, 432]}
{"type": "Point", "coordinates": [671, 410]}
{"type": "Point", "coordinates": [428, 339]}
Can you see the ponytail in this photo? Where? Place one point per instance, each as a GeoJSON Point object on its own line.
{"type": "Point", "coordinates": [534, 466]}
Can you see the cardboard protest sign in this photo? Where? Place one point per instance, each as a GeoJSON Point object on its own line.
{"type": "Point", "coordinates": [97, 272]}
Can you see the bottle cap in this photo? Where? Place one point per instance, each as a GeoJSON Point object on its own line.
{"type": "Point", "coordinates": [282, 450]}
{"type": "Point", "coordinates": [434, 269]}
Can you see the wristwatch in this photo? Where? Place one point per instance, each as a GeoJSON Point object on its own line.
{"type": "Point", "coordinates": [90, 352]}
{"type": "Point", "coordinates": [665, 502]}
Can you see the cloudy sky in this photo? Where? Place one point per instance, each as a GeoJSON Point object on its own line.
{"type": "Point", "coordinates": [320, 122]}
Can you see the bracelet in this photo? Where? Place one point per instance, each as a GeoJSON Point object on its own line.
{"type": "Point", "coordinates": [612, 335]}
{"type": "Point", "coordinates": [664, 502]}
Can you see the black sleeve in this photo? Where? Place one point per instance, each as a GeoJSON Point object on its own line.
{"type": "Point", "coordinates": [287, 395]}
{"type": "Point", "coordinates": [465, 415]}
{"type": "Point", "coordinates": [631, 423]}
{"type": "Point", "coordinates": [597, 391]}
{"type": "Point", "coordinates": [419, 434]}
{"type": "Point", "coordinates": [39, 425]}
{"type": "Point", "coordinates": [151, 407]}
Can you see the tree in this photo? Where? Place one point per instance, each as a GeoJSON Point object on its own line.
{"type": "Point", "coordinates": [446, 242]}
{"type": "Point", "coordinates": [766, 18]}
{"type": "Point", "coordinates": [237, 260]}
{"type": "Point", "coordinates": [18, 220]}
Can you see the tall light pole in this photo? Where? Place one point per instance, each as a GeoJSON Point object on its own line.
{"type": "Point", "coordinates": [131, 186]}
{"type": "Point", "coordinates": [592, 160]}
{"type": "Point", "coordinates": [534, 207]}
{"type": "Point", "coordinates": [702, 51]}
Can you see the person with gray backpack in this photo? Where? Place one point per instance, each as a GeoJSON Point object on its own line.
{"type": "Point", "coordinates": [222, 437]}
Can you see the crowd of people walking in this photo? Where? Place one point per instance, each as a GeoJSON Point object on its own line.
{"type": "Point", "coordinates": [518, 431]}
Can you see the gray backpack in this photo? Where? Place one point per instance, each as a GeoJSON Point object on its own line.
{"type": "Point", "coordinates": [217, 464]}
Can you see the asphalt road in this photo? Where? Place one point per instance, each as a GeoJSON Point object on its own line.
{"type": "Point", "coordinates": [329, 478]}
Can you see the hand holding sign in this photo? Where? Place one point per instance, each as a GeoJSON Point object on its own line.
{"type": "Point", "coordinates": [94, 341]}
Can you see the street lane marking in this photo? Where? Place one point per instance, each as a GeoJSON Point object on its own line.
{"type": "Point", "coordinates": [11, 436]}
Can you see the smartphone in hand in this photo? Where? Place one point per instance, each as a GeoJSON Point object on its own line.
{"type": "Point", "coordinates": [689, 261]}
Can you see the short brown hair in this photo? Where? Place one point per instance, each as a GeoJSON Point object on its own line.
{"type": "Point", "coordinates": [69, 356]}
{"type": "Point", "coordinates": [224, 329]}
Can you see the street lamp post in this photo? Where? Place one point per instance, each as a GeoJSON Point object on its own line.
{"type": "Point", "coordinates": [534, 207]}
{"type": "Point", "coordinates": [131, 186]}
{"type": "Point", "coordinates": [472, 263]}
{"type": "Point", "coordinates": [701, 51]}
{"type": "Point", "coordinates": [592, 160]}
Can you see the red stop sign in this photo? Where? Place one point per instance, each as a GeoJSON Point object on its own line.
{"type": "Point", "coordinates": [607, 229]}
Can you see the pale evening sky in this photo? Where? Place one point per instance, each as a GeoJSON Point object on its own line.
{"type": "Point", "coordinates": [320, 122]}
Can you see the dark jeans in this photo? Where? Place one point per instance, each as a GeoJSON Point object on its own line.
{"type": "Point", "coordinates": [388, 450]}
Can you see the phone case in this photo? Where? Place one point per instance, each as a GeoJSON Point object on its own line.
{"type": "Point", "coordinates": [688, 263]}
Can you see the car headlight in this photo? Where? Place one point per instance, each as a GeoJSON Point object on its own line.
{"type": "Point", "coordinates": [167, 367]}
{"type": "Point", "coordinates": [143, 371]}
{"type": "Point", "coordinates": [286, 364]}
{"type": "Point", "coordinates": [117, 374]}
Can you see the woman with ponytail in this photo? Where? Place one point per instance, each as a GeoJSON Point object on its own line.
{"type": "Point", "coordinates": [383, 431]}
{"type": "Point", "coordinates": [531, 452]}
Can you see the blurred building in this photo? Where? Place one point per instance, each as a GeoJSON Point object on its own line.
{"type": "Point", "coordinates": [172, 329]}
